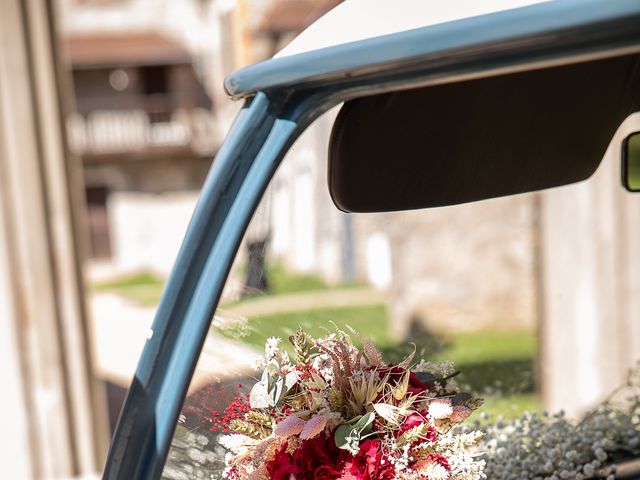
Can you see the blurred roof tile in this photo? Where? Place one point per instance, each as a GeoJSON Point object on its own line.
{"type": "Point", "coordinates": [118, 49]}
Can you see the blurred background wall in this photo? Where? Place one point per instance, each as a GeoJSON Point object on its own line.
{"type": "Point", "coordinates": [52, 410]}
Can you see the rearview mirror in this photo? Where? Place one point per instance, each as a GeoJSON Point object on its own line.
{"type": "Point", "coordinates": [481, 138]}
{"type": "Point", "coordinates": [631, 162]}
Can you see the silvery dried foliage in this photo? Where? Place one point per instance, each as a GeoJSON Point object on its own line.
{"type": "Point", "coordinates": [554, 447]}
{"type": "Point", "coordinates": [194, 456]}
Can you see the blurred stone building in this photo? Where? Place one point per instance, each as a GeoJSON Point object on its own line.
{"type": "Point", "coordinates": [150, 114]}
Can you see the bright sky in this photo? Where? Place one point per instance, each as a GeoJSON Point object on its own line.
{"type": "Point", "coordinates": [361, 19]}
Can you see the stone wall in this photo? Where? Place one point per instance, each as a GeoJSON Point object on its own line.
{"type": "Point", "coordinates": [459, 268]}
{"type": "Point", "coordinates": [590, 333]}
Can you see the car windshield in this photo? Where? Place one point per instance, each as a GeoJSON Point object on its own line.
{"type": "Point", "coordinates": [535, 298]}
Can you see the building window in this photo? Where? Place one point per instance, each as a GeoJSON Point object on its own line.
{"type": "Point", "coordinates": [98, 220]}
{"type": "Point", "coordinates": [155, 87]}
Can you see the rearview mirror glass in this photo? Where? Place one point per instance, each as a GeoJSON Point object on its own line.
{"type": "Point", "coordinates": [631, 162]}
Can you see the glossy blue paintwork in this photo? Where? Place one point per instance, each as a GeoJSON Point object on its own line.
{"type": "Point", "coordinates": [283, 97]}
{"type": "Point", "coordinates": [547, 32]}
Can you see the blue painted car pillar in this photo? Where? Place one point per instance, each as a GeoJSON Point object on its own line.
{"type": "Point", "coordinates": [239, 175]}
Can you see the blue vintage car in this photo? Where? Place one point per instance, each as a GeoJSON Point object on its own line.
{"type": "Point", "coordinates": [550, 82]}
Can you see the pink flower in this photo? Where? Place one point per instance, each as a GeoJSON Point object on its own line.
{"type": "Point", "coordinates": [290, 426]}
{"type": "Point", "coordinates": [434, 467]}
{"type": "Point", "coordinates": [313, 427]}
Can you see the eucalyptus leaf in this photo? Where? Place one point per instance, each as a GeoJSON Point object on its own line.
{"type": "Point", "coordinates": [364, 422]}
{"type": "Point", "coordinates": [277, 391]}
{"type": "Point", "coordinates": [340, 436]}
{"type": "Point", "coordinates": [259, 396]}
{"type": "Point", "coordinates": [351, 432]}
{"type": "Point", "coordinates": [291, 379]}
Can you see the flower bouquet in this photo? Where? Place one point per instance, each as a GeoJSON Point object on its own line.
{"type": "Point", "coordinates": [341, 412]}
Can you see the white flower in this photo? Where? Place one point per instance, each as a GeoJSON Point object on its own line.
{"type": "Point", "coordinates": [258, 363]}
{"type": "Point", "coordinates": [284, 358]}
{"type": "Point", "coordinates": [322, 363]}
{"type": "Point", "coordinates": [440, 408]}
{"type": "Point", "coordinates": [272, 347]}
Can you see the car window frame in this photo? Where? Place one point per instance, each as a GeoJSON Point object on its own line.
{"type": "Point", "coordinates": [282, 98]}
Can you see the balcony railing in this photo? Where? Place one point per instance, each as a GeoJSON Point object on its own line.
{"type": "Point", "coordinates": [139, 125]}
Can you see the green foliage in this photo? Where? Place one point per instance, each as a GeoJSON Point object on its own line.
{"type": "Point", "coordinates": [282, 281]}
{"type": "Point", "coordinates": [369, 320]}
{"type": "Point", "coordinates": [348, 435]}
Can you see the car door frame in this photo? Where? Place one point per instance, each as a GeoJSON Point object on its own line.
{"type": "Point", "coordinates": [282, 98]}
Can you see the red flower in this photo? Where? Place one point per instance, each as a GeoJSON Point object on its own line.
{"type": "Point", "coordinates": [371, 463]}
{"type": "Point", "coordinates": [281, 467]}
{"type": "Point", "coordinates": [415, 420]}
{"type": "Point", "coordinates": [441, 460]}
{"type": "Point", "coordinates": [317, 459]}
{"type": "Point", "coordinates": [395, 375]}
{"type": "Point", "coordinates": [326, 472]}
{"type": "Point", "coordinates": [430, 461]}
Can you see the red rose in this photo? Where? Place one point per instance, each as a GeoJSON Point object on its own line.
{"type": "Point", "coordinates": [318, 452]}
{"type": "Point", "coordinates": [371, 463]}
{"type": "Point", "coordinates": [281, 467]}
{"type": "Point", "coordinates": [326, 472]}
{"type": "Point", "coordinates": [316, 459]}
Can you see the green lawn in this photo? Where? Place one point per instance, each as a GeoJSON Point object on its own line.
{"type": "Point", "coordinates": [499, 365]}
{"type": "Point", "coordinates": [281, 281]}
{"type": "Point", "coordinates": [369, 321]}
{"type": "Point", "coordinates": [146, 288]}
